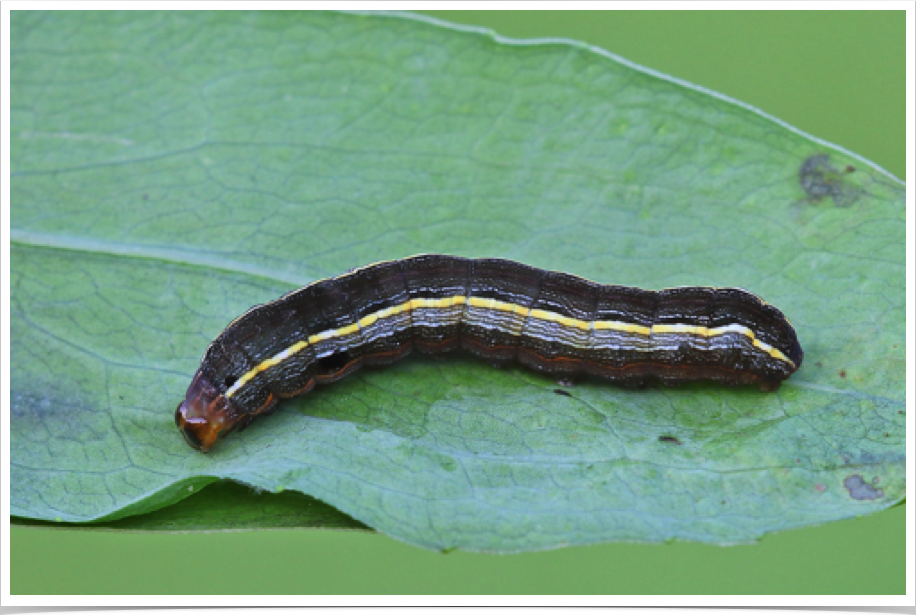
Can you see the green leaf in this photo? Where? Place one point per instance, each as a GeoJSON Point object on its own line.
{"type": "Point", "coordinates": [224, 506]}
{"type": "Point", "coordinates": [169, 170]}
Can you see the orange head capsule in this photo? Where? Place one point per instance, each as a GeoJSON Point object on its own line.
{"type": "Point", "coordinates": [204, 413]}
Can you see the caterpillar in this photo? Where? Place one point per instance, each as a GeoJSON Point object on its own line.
{"type": "Point", "coordinates": [498, 309]}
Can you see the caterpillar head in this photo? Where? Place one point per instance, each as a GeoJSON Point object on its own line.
{"type": "Point", "coordinates": [205, 413]}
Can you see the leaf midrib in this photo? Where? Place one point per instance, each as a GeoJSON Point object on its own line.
{"type": "Point", "coordinates": [205, 260]}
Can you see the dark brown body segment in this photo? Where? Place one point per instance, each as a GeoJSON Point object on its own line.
{"type": "Point", "coordinates": [500, 310]}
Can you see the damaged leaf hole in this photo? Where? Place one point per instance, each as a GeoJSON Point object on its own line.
{"type": "Point", "coordinates": [820, 179]}
{"type": "Point", "coordinates": [861, 490]}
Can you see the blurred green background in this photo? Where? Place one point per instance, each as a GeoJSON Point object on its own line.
{"type": "Point", "coordinates": [839, 76]}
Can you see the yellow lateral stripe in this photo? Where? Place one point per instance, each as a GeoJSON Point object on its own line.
{"type": "Point", "coordinates": [438, 303]}
{"type": "Point", "coordinates": [717, 331]}
{"type": "Point", "coordinates": [773, 352]}
{"type": "Point", "coordinates": [496, 304]}
{"type": "Point", "coordinates": [265, 365]}
{"type": "Point", "coordinates": [503, 306]}
{"type": "Point", "coordinates": [679, 328]}
{"type": "Point", "coordinates": [566, 321]}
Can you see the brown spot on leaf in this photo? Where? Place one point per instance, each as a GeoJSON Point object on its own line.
{"type": "Point", "coordinates": [860, 490]}
{"type": "Point", "coordinates": [819, 364]}
{"type": "Point", "coordinates": [820, 179]}
{"type": "Point", "coordinates": [562, 392]}
{"type": "Point", "coordinates": [669, 440]}
{"type": "Point", "coordinates": [820, 487]}
{"type": "Point", "coordinates": [842, 373]}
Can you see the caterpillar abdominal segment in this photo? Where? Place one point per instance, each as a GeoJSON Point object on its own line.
{"type": "Point", "coordinates": [500, 310]}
